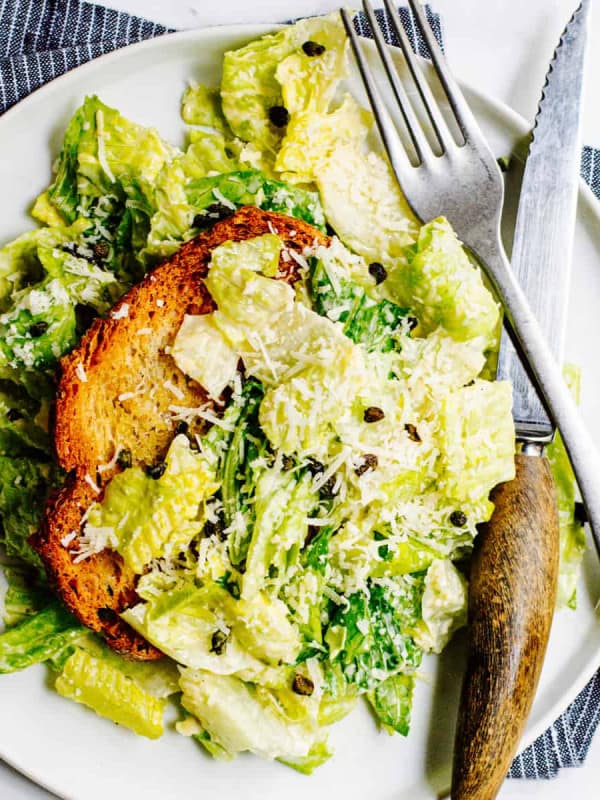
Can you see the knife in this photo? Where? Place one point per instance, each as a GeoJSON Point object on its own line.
{"type": "Point", "coordinates": [514, 568]}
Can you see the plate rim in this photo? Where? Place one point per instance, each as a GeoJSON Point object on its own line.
{"type": "Point", "coordinates": [588, 203]}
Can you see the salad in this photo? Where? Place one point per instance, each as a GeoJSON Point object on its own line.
{"type": "Point", "coordinates": [308, 549]}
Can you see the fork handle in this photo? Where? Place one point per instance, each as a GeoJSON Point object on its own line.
{"type": "Point", "coordinates": [512, 594]}
{"type": "Point", "coordinates": [537, 357]}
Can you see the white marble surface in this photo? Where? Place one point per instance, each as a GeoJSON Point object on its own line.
{"type": "Point", "coordinates": [501, 47]}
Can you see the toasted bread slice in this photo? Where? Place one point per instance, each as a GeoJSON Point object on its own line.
{"type": "Point", "coordinates": [119, 391]}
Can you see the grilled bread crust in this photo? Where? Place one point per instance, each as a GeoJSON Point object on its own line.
{"type": "Point", "coordinates": [118, 391]}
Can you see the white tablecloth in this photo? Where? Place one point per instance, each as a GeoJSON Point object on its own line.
{"type": "Point", "coordinates": [501, 47]}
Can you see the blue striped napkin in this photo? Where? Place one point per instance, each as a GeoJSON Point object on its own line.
{"type": "Point", "coordinates": [41, 39]}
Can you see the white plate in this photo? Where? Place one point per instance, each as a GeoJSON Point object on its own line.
{"type": "Point", "coordinates": [70, 750]}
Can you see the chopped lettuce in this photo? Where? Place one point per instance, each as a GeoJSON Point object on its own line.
{"type": "Point", "coordinates": [191, 197]}
{"type": "Point", "coordinates": [275, 71]}
{"type": "Point", "coordinates": [443, 287]}
{"type": "Point", "coordinates": [391, 700]}
{"type": "Point", "coordinates": [252, 187]}
{"type": "Point", "coordinates": [240, 717]}
{"type": "Point", "coordinates": [477, 440]}
{"type": "Point", "coordinates": [26, 594]}
{"type": "Point", "coordinates": [197, 337]}
{"type": "Point", "coordinates": [106, 174]}
{"type": "Point", "coordinates": [145, 517]}
{"type": "Point", "coordinates": [375, 323]}
{"type": "Point", "coordinates": [22, 426]}
{"type": "Point", "coordinates": [184, 622]}
{"type": "Point", "coordinates": [572, 534]}
{"type": "Point", "coordinates": [103, 687]}
{"type": "Point", "coordinates": [379, 627]}
{"type": "Point", "coordinates": [24, 486]}
{"type": "Point", "coordinates": [444, 606]}
{"type": "Point", "coordinates": [282, 505]}
{"type": "Point", "coordinates": [364, 205]}
{"type": "Point", "coordinates": [38, 638]}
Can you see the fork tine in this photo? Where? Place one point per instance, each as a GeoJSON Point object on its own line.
{"type": "Point", "coordinates": [391, 141]}
{"type": "Point", "coordinates": [462, 113]}
{"type": "Point", "coordinates": [438, 123]}
{"type": "Point", "coordinates": [410, 119]}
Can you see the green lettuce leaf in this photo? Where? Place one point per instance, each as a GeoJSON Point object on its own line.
{"type": "Point", "coordinates": [38, 638]}
{"type": "Point", "coordinates": [443, 287]}
{"type": "Point", "coordinates": [391, 701]}
{"type": "Point", "coordinates": [379, 639]}
{"type": "Point", "coordinates": [24, 486]}
{"type": "Point", "coordinates": [239, 717]}
{"type": "Point", "coordinates": [145, 517]}
{"type": "Point", "coordinates": [106, 174]}
{"type": "Point", "coordinates": [26, 594]}
{"type": "Point", "coordinates": [572, 533]}
{"type": "Point", "coordinates": [274, 71]}
{"type": "Point", "coordinates": [100, 684]}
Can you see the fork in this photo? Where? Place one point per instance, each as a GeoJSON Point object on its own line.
{"type": "Point", "coordinates": [462, 181]}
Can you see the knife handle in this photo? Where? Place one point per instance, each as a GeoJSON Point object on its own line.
{"type": "Point", "coordinates": [512, 594]}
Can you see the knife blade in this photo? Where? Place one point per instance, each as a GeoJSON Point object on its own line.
{"type": "Point", "coordinates": [545, 225]}
{"type": "Point", "coordinates": [514, 568]}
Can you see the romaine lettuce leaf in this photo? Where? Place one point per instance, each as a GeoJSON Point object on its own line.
{"type": "Point", "coordinates": [391, 700]}
{"type": "Point", "coordinates": [444, 606]}
{"type": "Point", "coordinates": [23, 428]}
{"type": "Point", "coordinates": [375, 323]}
{"type": "Point", "coordinates": [365, 207]}
{"type": "Point", "coordinates": [106, 174]}
{"type": "Point", "coordinates": [572, 534]}
{"type": "Point", "coordinates": [282, 504]}
{"type": "Point", "coordinates": [26, 594]}
{"type": "Point", "coordinates": [443, 287]}
{"type": "Point", "coordinates": [99, 684]}
{"type": "Point", "coordinates": [379, 631]}
{"type": "Point", "coordinates": [24, 486]}
{"type": "Point", "coordinates": [38, 638]}
{"type": "Point", "coordinates": [239, 718]}
{"type": "Point", "coordinates": [477, 441]}
{"type": "Point", "coordinates": [145, 517]}
{"type": "Point", "coordinates": [312, 138]}
{"type": "Point", "coordinates": [275, 71]}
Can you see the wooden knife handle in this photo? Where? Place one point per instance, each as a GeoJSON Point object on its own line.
{"type": "Point", "coordinates": [512, 595]}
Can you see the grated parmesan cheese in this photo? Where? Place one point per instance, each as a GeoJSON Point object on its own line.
{"type": "Point", "coordinates": [121, 313]}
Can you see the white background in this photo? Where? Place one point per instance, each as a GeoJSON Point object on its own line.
{"type": "Point", "coordinates": [501, 47]}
